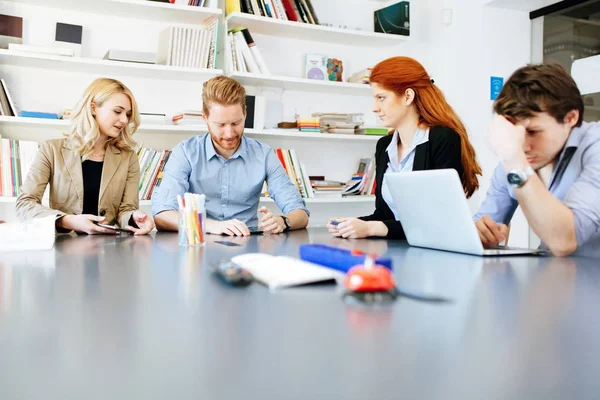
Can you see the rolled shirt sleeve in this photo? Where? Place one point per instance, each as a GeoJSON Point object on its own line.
{"type": "Point", "coordinates": [498, 202]}
{"type": "Point", "coordinates": [583, 196]}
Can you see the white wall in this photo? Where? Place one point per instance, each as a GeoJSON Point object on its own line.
{"type": "Point", "coordinates": [482, 41]}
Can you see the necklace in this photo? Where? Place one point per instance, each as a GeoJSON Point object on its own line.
{"type": "Point", "coordinates": [98, 155]}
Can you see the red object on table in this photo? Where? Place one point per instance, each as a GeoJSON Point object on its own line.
{"type": "Point", "coordinates": [369, 277]}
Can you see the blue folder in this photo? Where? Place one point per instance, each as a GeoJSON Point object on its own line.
{"type": "Point", "coordinates": [337, 258]}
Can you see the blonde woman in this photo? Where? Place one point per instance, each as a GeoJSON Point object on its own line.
{"type": "Point", "coordinates": [94, 171]}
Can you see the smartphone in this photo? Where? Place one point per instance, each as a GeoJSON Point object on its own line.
{"type": "Point", "coordinates": [227, 243]}
{"type": "Point", "coordinates": [113, 227]}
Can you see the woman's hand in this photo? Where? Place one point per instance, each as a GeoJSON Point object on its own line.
{"type": "Point", "coordinates": [84, 223]}
{"type": "Point", "coordinates": [144, 222]}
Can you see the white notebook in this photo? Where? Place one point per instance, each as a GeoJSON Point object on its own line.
{"type": "Point", "coordinates": [283, 271]}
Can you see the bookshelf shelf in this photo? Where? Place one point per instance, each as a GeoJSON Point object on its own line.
{"type": "Point", "coordinates": [19, 122]}
{"type": "Point", "coordinates": [95, 66]}
{"type": "Point", "coordinates": [303, 84]}
{"type": "Point", "coordinates": [140, 9]}
{"type": "Point", "coordinates": [276, 27]}
{"type": "Point", "coordinates": [313, 200]}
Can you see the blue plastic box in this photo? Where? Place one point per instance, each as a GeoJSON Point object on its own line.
{"type": "Point", "coordinates": [337, 258]}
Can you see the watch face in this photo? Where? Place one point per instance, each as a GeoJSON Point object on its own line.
{"type": "Point", "coordinates": [514, 179]}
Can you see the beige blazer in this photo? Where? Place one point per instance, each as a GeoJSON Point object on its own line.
{"type": "Point", "coordinates": [59, 164]}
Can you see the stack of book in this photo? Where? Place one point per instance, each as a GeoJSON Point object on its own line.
{"type": "Point", "coordinates": [188, 117]}
{"type": "Point", "coordinates": [326, 188]}
{"type": "Point", "coordinates": [152, 164]}
{"type": "Point", "coordinates": [309, 125]}
{"type": "Point", "coordinates": [16, 156]}
{"type": "Point", "coordinates": [245, 55]}
{"type": "Point", "coordinates": [339, 123]}
{"type": "Point", "coordinates": [189, 47]}
{"type": "Point", "coordinates": [287, 10]}
{"type": "Point", "coordinates": [363, 181]}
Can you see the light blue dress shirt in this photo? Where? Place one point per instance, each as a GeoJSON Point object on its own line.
{"type": "Point", "coordinates": [575, 181]}
{"type": "Point", "coordinates": [232, 187]}
{"type": "Point", "coordinates": [406, 164]}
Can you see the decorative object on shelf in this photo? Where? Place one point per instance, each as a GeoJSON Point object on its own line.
{"type": "Point", "coordinates": [11, 30]}
{"type": "Point", "coordinates": [70, 36]}
{"type": "Point", "coordinates": [335, 69]}
{"type": "Point", "coordinates": [255, 112]}
{"type": "Point", "coordinates": [394, 19]}
{"type": "Point", "coordinates": [361, 76]}
{"type": "Point", "coordinates": [316, 67]}
{"type": "Point", "coordinates": [188, 117]}
{"type": "Point", "coordinates": [130, 56]}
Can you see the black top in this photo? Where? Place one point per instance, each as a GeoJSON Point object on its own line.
{"type": "Point", "coordinates": [92, 176]}
{"type": "Point", "coordinates": [442, 150]}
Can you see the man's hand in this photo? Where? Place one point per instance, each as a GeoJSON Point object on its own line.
{"type": "Point", "coordinates": [270, 223]}
{"type": "Point", "coordinates": [349, 228]}
{"type": "Point", "coordinates": [144, 222]}
{"type": "Point", "coordinates": [233, 227]}
{"type": "Point", "coordinates": [491, 232]}
{"type": "Point", "coordinates": [84, 223]}
{"type": "Point", "coordinates": [507, 140]}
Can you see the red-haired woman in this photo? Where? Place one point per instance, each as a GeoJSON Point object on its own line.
{"type": "Point", "coordinates": [427, 134]}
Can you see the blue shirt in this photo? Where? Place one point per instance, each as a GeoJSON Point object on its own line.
{"type": "Point", "coordinates": [575, 180]}
{"type": "Point", "coordinates": [406, 164]}
{"type": "Point", "coordinates": [232, 187]}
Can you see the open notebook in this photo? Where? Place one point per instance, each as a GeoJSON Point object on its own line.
{"type": "Point", "coordinates": [283, 271]}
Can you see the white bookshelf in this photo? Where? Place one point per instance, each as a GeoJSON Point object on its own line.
{"type": "Point", "coordinates": [13, 123]}
{"type": "Point", "coordinates": [298, 30]}
{"type": "Point", "coordinates": [107, 67]}
{"type": "Point", "coordinates": [303, 84]}
{"type": "Point", "coordinates": [142, 9]}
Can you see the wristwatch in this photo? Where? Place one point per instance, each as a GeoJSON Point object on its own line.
{"type": "Point", "coordinates": [287, 223]}
{"type": "Point", "coordinates": [518, 177]}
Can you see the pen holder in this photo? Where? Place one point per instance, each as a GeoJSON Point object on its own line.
{"type": "Point", "coordinates": [191, 228]}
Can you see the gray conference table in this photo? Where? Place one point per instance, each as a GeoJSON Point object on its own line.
{"type": "Point", "coordinates": [141, 318]}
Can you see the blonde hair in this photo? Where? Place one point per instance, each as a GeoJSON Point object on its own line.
{"type": "Point", "coordinates": [84, 131]}
{"type": "Point", "coordinates": [224, 91]}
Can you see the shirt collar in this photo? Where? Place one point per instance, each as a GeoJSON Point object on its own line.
{"type": "Point", "coordinates": [242, 151]}
{"type": "Point", "coordinates": [421, 136]}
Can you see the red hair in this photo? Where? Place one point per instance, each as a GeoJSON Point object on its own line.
{"type": "Point", "coordinates": [397, 74]}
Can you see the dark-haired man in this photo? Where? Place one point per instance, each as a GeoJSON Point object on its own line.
{"type": "Point", "coordinates": [549, 163]}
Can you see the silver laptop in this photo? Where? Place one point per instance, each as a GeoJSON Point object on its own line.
{"type": "Point", "coordinates": [435, 214]}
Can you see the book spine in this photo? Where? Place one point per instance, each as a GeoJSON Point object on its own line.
{"type": "Point", "coordinates": [289, 10]}
{"type": "Point", "coordinates": [280, 10]}
{"type": "Point", "coordinates": [255, 52]}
